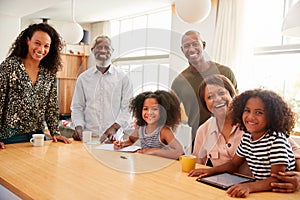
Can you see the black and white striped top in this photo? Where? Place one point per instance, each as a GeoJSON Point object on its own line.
{"type": "Point", "coordinates": [151, 140]}
{"type": "Point", "coordinates": [272, 148]}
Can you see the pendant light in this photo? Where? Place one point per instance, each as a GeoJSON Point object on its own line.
{"type": "Point", "coordinates": [192, 11]}
{"type": "Point", "coordinates": [72, 32]}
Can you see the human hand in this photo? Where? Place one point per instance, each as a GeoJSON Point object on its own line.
{"type": "Point", "coordinates": [109, 133]}
{"type": "Point", "coordinates": [118, 144]}
{"type": "Point", "coordinates": [291, 182]}
{"type": "Point", "coordinates": [2, 146]}
{"type": "Point", "coordinates": [77, 135]}
{"type": "Point", "coordinates": [239, 190]}
{"type": "Point", "coordinates": [201, 172]}
{"type": "Point", "coordinates": [61, 138]}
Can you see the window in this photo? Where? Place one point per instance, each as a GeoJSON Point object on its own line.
{"type": "Point", "coordinates": [147, 74]}
{"type": "Point", "coordinates": [274, 63]}
{"type": "Point", "coordinates": [142, 49]}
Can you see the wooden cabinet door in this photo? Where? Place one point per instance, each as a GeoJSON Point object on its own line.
{"type": "Point", "coordinates": [73, 65]}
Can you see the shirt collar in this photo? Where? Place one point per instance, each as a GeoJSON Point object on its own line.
{"type": "Point", "coordinates": [111, 69]}
{"type": "Point", "coordinates": [214, 129]}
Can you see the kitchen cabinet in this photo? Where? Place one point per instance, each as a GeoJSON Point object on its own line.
{"type": "Point", "coordinates": [73, 65]}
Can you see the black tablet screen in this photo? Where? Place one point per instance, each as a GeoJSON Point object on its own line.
{"type": "Point", "coordinates": [224, 180]}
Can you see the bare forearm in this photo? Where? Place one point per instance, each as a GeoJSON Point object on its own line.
{"type": "Point", "coordinates": [227, 167]}
{"type": "Point", "coordinates": [298, 164]}
{"type": "Point", "coordinates": [243, 189]}
{"type": "Point", "coordinates": [132, 140]}
{"type": "Point", "coordinates": [167, 153]}
{"type": "Point", "coordinates": [261, 185]}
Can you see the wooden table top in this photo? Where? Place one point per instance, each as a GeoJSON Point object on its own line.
{"type": "Point", "coordinates": [76, 171]}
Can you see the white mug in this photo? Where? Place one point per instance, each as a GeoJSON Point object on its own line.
{"type": "Point", "coordinates": [37, 140]}
{"type": "Point", "coordinates": [86, 136]}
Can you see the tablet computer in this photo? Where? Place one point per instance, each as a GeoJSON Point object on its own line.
{"type": "Point", "coordinates": [224, 180]}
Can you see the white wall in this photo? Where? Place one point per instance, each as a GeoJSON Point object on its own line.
{"type": "Point", "coordinates": [9, 30]}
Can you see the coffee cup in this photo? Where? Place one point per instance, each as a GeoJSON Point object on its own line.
{"type": "Point", "coordinates": [37, 140]}
{"type": "Point", "coordinates": [188, 162]}
{"type": "Point", "coordinates": [86, 136]}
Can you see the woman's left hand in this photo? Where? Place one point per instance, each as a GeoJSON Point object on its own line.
{"type": "Point", "coordinates": [290, 182]}
{"type": "Point", "coordinates": [61, 138]}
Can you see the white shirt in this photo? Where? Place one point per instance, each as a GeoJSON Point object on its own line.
{"type": "Point", "coordinates": [100, 100]}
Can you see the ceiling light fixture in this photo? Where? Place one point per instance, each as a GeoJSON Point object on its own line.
{"type": "Point", "coordinates": [291, 23]}
{"type": "Point", "coordinates": [193, 11]}
{"type": "Point", "coordinates": [72, 32]}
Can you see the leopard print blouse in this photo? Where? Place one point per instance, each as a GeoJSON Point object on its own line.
{"type": "Point", "coordinates": [24, 106]}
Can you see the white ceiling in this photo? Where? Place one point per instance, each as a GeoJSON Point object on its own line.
{"type": "Point", "coordinates": [86, 11]}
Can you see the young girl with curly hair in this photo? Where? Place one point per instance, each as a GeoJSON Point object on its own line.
{"type": "Point", "coordinates": [267, 121]}
{"type": "Point", "coordinates": [157, 115]}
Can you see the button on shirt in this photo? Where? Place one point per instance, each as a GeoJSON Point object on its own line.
{"type": "Point", "coordinates": [100, 100]}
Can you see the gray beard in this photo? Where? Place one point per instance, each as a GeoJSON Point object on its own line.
{"type": "Point", "coordinates": [101, 63]}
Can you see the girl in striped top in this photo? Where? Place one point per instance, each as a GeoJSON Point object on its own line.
{"type": "Point", "coordinates": [157, 115]}
{"type": "Point", "coordinates": [267, 121]}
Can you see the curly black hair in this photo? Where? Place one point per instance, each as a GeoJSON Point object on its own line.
{"type": "Point", "coordinates": [169, 108]}
{"type": "Point", "coordinates": [52, 61]}
{"type": "Point", "coordinates": [281, 118]}
{"type": "Point", "coordinates": [216, 79]}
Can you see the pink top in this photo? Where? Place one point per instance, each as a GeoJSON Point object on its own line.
{"type": "Point", "coordinates": [295, 147]}
{"type": "Point", "coordinates": [210, 143]}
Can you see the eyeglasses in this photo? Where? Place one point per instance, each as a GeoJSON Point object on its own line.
{"type": "Point", "coordinates": [193, 44]}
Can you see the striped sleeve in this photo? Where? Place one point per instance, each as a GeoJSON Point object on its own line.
{"type": "Point", "coordinates": [271, 149]}
{"type": "Point", "coordinates": [281, 152]}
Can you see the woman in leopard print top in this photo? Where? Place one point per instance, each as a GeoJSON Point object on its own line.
{"type": "Point", "coordinates": [28, 88]}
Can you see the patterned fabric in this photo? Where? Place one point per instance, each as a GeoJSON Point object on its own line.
{"type": "Point", "coordinates": [151, 140]}
{"type": "Point", "coordinates": [25, 107]}
{"type": "Point", "coordinates": [270, 149]}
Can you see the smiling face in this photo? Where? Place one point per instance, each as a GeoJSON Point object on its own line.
{"type": "Point", "coordinates": [102, 49]}
{"type": "Point", "coordinates": [151, 111]}
{"type": "Point", "coordinates": [217, 99]}
{"type": "Point", "coordinates": [38, 45]}
{"type": "Point", "coordinates": [192, 47]}
{"type": "Point", "coordinates": [255, 117]}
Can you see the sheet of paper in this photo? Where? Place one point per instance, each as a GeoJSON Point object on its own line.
{"type": "Point", "coordinates": [119, 134]}
{"type": "Point", "coordinates": [129, 149]}
{"type": "Point", "coordinates": [110, 147]}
